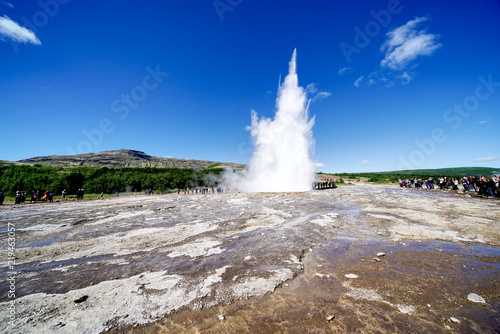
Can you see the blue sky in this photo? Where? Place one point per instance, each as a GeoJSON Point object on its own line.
{"type": "Point", "coordinates": [393, 84]}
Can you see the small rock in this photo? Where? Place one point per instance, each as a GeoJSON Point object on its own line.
{"type": "Point", "coordinates": [330, 317]}
{"type": "Point", "coordinates": [476, 298]}
{"type": "Point", "coordinates": [455, 320]}
{"type": "Point", "coordinates": [80, 299]}
{"type": "Point", "coordinates": [319, 274]}
{"type": "Point", "coordinates": [376, 259]}
{"type": "Point", "coordinates": [380, 254]}
{"type": "Point", "coordinates": [351, 275]}
{"type": "Point", "coordinates": [320, 266]}
{"type": "Point", "coordinates": [467, 196]}
{"type": "Point", "coordinates": [221, 317]}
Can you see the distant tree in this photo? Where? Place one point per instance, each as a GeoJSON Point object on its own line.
{"type": "Point", "coordinates": [73, 181]}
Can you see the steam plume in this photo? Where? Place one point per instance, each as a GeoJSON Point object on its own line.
{"type": "Point", "coordinates": [283, 146]}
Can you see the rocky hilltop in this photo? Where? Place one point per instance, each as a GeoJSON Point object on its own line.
{"type": "Point", "coordinates": [122, 158]}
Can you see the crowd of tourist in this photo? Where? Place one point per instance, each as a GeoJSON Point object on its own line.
{"type": "Point", "coordinates": [36, 196]}
{"type": "Point", "coordinates": [48, 196]}
{"type": "Point", "coordinates": [484, 186]}
{"type": "Point", "coordinates": [203, 190]}
{"type": "Point", "coordinates": [325, 184]}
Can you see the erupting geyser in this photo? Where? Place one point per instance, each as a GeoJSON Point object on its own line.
{"type": "Point", "coordinates": [283, 146]}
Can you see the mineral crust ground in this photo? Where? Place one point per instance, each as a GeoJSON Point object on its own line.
{"type": "Point", "coordinates": [357, 259]}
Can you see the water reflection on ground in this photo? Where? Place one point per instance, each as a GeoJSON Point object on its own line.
{"type": "Point", "coordinates": [357, 259]}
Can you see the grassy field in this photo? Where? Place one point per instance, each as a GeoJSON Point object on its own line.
{"type": "Point", "coordinates": [111, 180]}
{"type": "Point", "coordinates": [394, 176]}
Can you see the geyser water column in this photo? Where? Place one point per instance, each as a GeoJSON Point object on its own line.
{"type": "Point", "coordinates": [283, 146]}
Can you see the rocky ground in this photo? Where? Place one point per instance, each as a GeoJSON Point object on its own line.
{"type": "Point", "coordinates": [357, 259]}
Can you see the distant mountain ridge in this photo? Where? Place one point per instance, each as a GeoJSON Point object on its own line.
{"type": "Point", "coordinates": [121, 158]}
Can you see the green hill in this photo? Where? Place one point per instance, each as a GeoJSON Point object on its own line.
{"type": "Point", "coordinates": [119, 159]}
{"type": "Point", "coordinates": [393, 176]}
{"type": "Point", "coordinates": [458, 171]}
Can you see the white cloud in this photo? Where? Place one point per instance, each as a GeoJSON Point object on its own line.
{"type": "Point", "coordinates": [405, 78]}
{"type": "Point", "coordinates": [321, 96]}
{"type": "Point", "coordinates": [7, 4]}
{"type": "Point", "coordinates": [484, 121]}
{"type": "Point", "coordinates": [365, 162]}
{"type": "Point", "coordinates": [487, 159]}
{"type": "Point", "coordinates": [11, 30]}
{"type": "Point", "coordinates": [358, 81]}
{"type": "Point", "coordinates": [319, 165]}
{"type": "Point", "coordinates": [405, 43]}
{"type": "Point", "coordinates": [344, 69]}
{"type": "Point", "coordinates": [311, 88]}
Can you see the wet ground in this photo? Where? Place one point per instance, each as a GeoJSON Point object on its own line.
{"type": "Point", "coordinates": [359, 259]}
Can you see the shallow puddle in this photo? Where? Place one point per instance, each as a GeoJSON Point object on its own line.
{"type": "Point", "coordinates": [339, 261]}
{"type": "Point", "coordinates": [44, 242]}
{"type": "Point", "coordinates": [413, 288]}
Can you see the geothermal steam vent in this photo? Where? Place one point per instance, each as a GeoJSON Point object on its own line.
{"type": "Point", "coordinates": [283, 146]}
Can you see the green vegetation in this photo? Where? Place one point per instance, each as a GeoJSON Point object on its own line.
{"type": "Point", "coordinates": [97, 180]}
{"type": "Point", "coordinates": [111, 180]}
{"type": "Point", "coordinates": [394, 176]}
{"type": "Point", "coordinates": [453, 172]}
{"type": "Point", "coordinates": [214, 165]}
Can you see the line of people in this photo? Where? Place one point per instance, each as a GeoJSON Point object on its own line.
{"type": "Point", "coordinates": [486, 187]}
{"type": "Point", "coordinates": [36, 196]}
{"type": "Point", "coordinates": [203, 190]}
{"type": "Point", "coordinates": [325, 184]}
